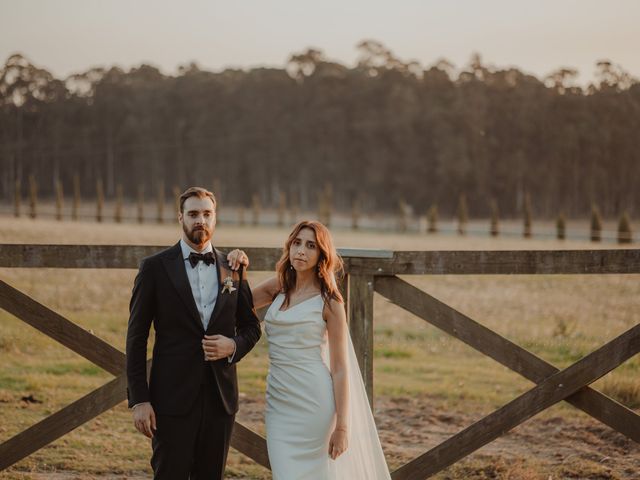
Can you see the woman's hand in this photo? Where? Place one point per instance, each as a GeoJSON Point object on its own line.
{"type": "Point", "coordinates": [237, 257]}
{"type": "Point", "coordinates": [338, 443]}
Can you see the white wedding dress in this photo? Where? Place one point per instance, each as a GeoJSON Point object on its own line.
{"type": "Point", "coordinates": [300, 409]}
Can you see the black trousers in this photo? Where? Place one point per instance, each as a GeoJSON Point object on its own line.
{"type": "Point", "coordinates": [193, 446]}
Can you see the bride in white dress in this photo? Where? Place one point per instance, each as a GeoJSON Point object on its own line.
{"type": "Point", "coordinates": [318, 421]}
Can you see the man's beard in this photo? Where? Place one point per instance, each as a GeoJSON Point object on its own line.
{"type": "Point", "coordinates": [198, 235]}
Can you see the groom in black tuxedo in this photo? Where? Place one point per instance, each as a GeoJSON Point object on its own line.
{"type": "Point", "coordinates": [204, 323]}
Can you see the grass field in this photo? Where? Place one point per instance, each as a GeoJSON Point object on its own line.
{"type": "Point", "coordinates": [427, 385]}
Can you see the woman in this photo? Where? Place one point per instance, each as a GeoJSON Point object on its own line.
{"type": "Point", "coordinates": [318, 421]}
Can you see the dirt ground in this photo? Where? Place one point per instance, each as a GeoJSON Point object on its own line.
{"type": "Point", "coordinates": [547, 447]}
{"type": "Point", "coordinates": [553, 446]}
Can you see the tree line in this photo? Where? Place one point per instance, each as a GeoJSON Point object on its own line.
{"type": "Point", "coordinates": [384, 133]}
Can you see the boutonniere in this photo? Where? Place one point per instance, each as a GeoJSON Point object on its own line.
{"type": "Point", "coordinates": [228, 285]}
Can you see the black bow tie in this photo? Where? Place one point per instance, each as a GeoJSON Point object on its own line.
{"type": "Point", "coordinates": [207, 258]}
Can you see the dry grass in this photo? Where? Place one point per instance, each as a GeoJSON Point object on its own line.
{"type": "Point", "coordinates": [561, 318]}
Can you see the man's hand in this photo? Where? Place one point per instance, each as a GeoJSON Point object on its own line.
{"type": "Point", "coordinates": [237, 257]}
{"type": "Point", "coordinates": [217, 346]}
{"type": "Point", "coordinates": [144, 418]}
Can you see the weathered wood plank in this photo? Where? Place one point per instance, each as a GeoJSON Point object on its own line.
{"type": "Point", "coordinates": [74, 256]}
{"type": "Point", "coordinates": [356, 261]}
{"type": "Point", "coordinates": [251, 444]}
{"type": "Point", "coordinates": [532, 367]}
{"type": "Point", "coordinates": [129, 256]}
{"type": "Point", "coordinates": [62, 330]}
{"type": "Point", "coordinates": [364, 253]}
{"type": "Point", "coordinates": [106, 256]}
{"type": "Point", "coordinates": [549, 392]}
{"type": "Point", "coordinates": [360, 307]}
{"type": "Point", "coordinates": [501, 262]}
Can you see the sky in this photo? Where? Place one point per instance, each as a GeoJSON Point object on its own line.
{"type": "Point", "coordinates": [71, 36]}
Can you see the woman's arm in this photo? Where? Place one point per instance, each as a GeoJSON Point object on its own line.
{"type": "Point", "coordinates": [264, 292]}
{"type": "Point", "coordinates": [336, 319]}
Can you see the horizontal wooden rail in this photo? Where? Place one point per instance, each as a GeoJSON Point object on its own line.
{"type": "Point", "coordinates": [511, 262]}
{"type": "Point", "coordinates": [358, 261]}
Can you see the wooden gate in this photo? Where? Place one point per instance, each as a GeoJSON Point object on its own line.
{"type": "Point", "coordinates": [368, 271]}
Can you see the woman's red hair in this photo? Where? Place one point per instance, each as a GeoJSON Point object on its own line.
{"type": "Point", "coordinates": [328, 268]}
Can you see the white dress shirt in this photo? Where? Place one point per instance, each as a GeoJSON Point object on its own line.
{"type": "Point", "coordinates": [203, 279]}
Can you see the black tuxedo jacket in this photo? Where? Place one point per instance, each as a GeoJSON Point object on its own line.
{"type": "Point", "coordinates": [162, 296]}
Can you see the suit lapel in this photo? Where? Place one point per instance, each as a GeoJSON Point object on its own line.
{"type": "Point", "coordinates": [174, 264]}
{"type": "Point", "coordinates": [223, 272]}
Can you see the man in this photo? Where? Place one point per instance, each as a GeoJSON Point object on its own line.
{"type": "Point", "coordinates": [204, 323]}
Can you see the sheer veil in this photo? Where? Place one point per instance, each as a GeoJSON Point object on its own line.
{"type": "Point", "coordinates": [364, 458]}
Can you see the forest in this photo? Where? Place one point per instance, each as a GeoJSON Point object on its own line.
{"type": "Point", "coordinates": [381, 133]}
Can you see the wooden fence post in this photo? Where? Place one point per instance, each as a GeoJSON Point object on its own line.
{"type": "Point", "coordinates": [160, 218]}
{"type": "Point", "coordinates": [561, 227]}
{"type": "Point", "coordinates": [596, 224]}
{"type": "Point", "coordinates": [33, 196]}
{"type": "Point", "coordinates": [17, 197]}
{"type": "Point", "coordinates": [176, 196]}
{"type": "Point", "coordinates": [494, 227]}
{"type": "Point", "coordinates": [59, 200]}
{"type": "Point", "coordinates": [255, 206]}
{"type": "Point", "coordinates": [76, 197]}
{"type": "Point", "coordinates": [140, 203]}
{"type": "Point", "coordinates": [99, 200]}
{"type": "Point", "coordinates": [360, 308]}
{"type": "Point", "coordinates": [217, 193]}
{"type": "Point", "coordinates": [526, 231]}
{"type": "Point", "coordinates": [241, 216]}
{"type": "Point", "coordinates": [355, 214]}
{"type": "Point", "coordinates": [403, 216]}
{"type": "Point", "coordinates": [625, 234]}
{"type": "Point", "coordinates": [462, 214]}
{"type": "Point", "coordinates": [432, 218]}
{"type": "Point", "coordinates": [294, 203]}
{"type": "Point", "coordinates": [325, 204]}
{"type": "Point", "coordinates": [282, 208]}
{"type": "Point", "coordinates": [117, 216]}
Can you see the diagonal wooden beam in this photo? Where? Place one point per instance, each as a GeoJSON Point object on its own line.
{"type": "Point", "coordinates": [62, 422]}
{"type": "Point", "coordinates": [90, 406]}
{"type": "Point", "coordinates": [62, 330]}
{"type": "Point", "coordinates": [251, 444]}
{"type": "Point", "coordinates": [557, 387]}
{"type": "Point", "coordinates": [486, 341]}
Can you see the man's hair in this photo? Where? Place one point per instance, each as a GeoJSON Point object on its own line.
{"type": "Point", "coordinates": [196, 192]}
